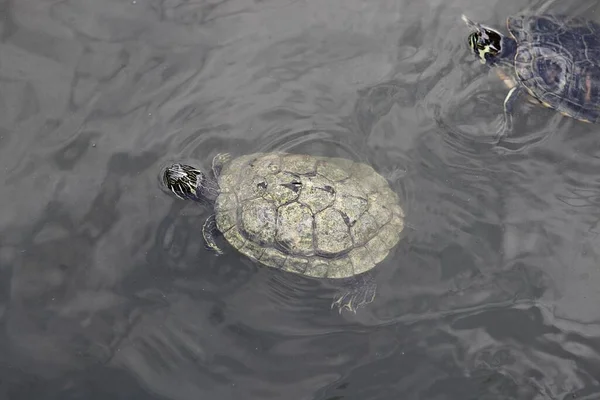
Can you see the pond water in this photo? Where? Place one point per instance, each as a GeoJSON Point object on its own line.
{"type": "Point", "coordinates": [107, 291]}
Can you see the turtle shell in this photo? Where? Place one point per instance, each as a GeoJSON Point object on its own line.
{"type": "Point", "coordinates": [558, 62]}
{"type": "Point", "coordinates": [316, 216]}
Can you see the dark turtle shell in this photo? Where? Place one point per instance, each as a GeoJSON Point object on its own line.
{"type": "Point", "coordinates": [316, 216]}
{"type": "Point", "coordinates": [558, 62]}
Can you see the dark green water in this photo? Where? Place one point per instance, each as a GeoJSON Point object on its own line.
{"type": "Point", "coordinates": [107, 292]}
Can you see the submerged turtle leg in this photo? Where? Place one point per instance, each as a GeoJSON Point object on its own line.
{"type": "Point", "coordinates": [506, 124]}
{"type": "Point", "coordinates": [218, 161]}
{"type": "Point", "coordinates": [209, 232]}
{"type": "Point", "coordinates": [358, 291]}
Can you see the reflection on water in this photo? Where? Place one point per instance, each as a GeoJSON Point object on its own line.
{"type": "Point", "coordinates": [107, 290]}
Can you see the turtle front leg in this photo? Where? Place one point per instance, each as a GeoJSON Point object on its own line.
{"type": "Point", "coordinates": [506, 124]}
{"type": "Point", "coordinates": [210, 232]}
{"type": "Point", "coordinates": [358, 291]}
{"type": "Point", "coordinates": [218, 161]}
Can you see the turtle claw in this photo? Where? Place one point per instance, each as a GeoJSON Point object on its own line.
{"type": "Point", "coordinates": [210, 232]}
{"type": "Point", "coordinates": [343, 301]}
{"type": "Point", "coordinates": [360, 291]}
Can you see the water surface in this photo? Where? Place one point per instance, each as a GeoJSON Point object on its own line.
{"type": "Point", "coordinates": [106, 290]}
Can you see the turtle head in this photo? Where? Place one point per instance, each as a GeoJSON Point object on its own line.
{"type": "Point", "coordinates": [189, 183]}
{"type": "Point", "coordinates": [488, 44]}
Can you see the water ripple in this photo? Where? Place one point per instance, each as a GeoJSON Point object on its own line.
{"type": "Point", "coordinates": [106, 288]}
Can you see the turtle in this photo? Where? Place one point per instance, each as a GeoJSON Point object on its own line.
{"type": "Point", "coordinates": [322, 217]}
{"type": "Point", "coordinates": [555, 59]}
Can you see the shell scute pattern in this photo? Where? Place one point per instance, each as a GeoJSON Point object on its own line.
{"type": "Point", "coordinates": [235, 239]}
{"type": "Point", "coordinates": [253, 250]}
{"type": "Point", "coordinates": [280, 189]}
{"type": "Point", "coordinates": [340, 268]}
{"type": "Point", "coordinates": [558, 61]}
{"type": "Point", "coordinates": [227, 216]}
{"type": "Point", "coordinates": [361, 260]}
{"type": "Point", "coordinates": [387, 231]}
{"type": "Point", "coordinates": [272, 258]}
{"type": "Point", "coordinates": [259, 220]}
{"type": "Point", "coordinates": [295, 229]}
{"type": "Point", "coordinates": [354, 207]}
{"type": "Point", "coordinates": [317, 269]}
{"type": "Point", "coordinates": [326, 168]}
{"type": "Point", "coordinates": [300, 163]}
{"type": "Point", "coordinates": [366, 230]}
{"type": "Point", "coordinates": [317, 194]}
{"type": "Point", "coordinates": [322, 217]}
{"type": "Point", "coordinates": [377, 248]}
{"type": "Point", "coordinates": [332, 235]}
{"type": "Point", "coordinates": [295, 264]}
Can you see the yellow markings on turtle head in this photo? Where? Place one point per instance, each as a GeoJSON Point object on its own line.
{"type": "Point", "coordinates": [482, 52]}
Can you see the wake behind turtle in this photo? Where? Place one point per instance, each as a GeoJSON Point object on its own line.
{"type": "Point", "coordinates": [326, 218]}
{"type": "Point", "coordinates": [554, 59]}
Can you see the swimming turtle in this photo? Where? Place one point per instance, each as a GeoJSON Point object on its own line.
{"type": "Point", "coordinates": [328, 218]}
{"type": "Point", "coordinates": [555, 59]}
